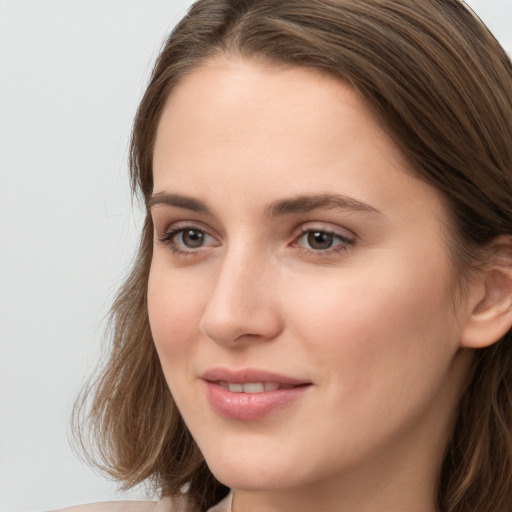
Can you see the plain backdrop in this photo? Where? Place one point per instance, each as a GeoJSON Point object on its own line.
{"type": "Point", "coordinates": [71, 75]}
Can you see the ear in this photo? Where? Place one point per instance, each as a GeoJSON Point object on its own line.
{"type": "Point", "coordinates": [490, 299]}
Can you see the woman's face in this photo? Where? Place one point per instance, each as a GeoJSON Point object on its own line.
{"type": "Point", "coordinates": [301, 290]}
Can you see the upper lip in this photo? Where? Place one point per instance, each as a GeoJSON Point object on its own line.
{"type": "Point", "coordinates": [247, 375]}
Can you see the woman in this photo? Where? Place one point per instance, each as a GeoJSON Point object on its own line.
{"type": "Point", "coordinates": [319, 315]}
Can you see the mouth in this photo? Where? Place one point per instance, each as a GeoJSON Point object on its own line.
{"type": "Point", "coordinates": [251, 394]}
{"type": "Point", "coordinates": [251, 380]}
{"type": "Point", "coordinates": [252, 387]}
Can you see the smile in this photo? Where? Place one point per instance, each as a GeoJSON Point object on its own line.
{"type": "Point", "coordinates": [251, 394]}
{"type": "Point", "coordinates": [252, 387]}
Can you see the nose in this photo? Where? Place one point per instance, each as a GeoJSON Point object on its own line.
{"type": "Point", "coordinates": [243, 303]}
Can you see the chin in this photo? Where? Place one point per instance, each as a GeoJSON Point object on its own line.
{"type": "Point", "coordinates": [259, 469]}
{"type": "Point", "coordinates": [254, 479]}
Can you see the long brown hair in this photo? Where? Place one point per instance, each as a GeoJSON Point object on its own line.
{"type": "Point", "coordinates": [441, 85]}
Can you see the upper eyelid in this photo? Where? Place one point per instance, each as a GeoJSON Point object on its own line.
{"type": "Point", "coordinates": [325, 227]}
{"type": "Point", "coordinates": [179, 229]}
{"type": "Point", "coordinates": [344, 240]}
{"type": "Point", "coordinates": [165, 227]}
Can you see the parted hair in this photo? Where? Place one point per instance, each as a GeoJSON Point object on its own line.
{"type": "Point", "coordinates": [441, 86]}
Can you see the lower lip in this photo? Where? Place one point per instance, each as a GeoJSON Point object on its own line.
{"type": "Point", "coordinates": [250, 406]}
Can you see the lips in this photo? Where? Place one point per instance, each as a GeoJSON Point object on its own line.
{"type": "Point", "coordinates": [250, 394]}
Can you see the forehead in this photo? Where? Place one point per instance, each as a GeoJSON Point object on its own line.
{"type": "Point", "coordinates": [235, 121]}
{"type": "Point", "coordinates": [262, 91]}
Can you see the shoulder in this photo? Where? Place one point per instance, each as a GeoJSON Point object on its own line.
{"type": "Point", "coordinates": [168, 504]}
{"type": "Point", "coordinates": [114, 506]}
{"type": "Point", "coordinates": [164, 505]}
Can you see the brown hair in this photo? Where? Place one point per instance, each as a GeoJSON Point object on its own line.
{"type": "Point", "coordinates": [441, 86]}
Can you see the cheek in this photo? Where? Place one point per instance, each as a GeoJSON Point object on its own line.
{"type": "Point", "coordinates": [174, 307]}
{"type": "Point", "coordinates": [388, 323]}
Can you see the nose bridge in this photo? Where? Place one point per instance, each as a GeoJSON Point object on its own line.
{"type": "Point", "coordinates": [242, 302]}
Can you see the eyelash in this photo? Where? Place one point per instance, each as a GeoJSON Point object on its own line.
{"type": "Point", "coordinates": [167, 239]}
{"type": "Point", "coordinates": [346, 243]}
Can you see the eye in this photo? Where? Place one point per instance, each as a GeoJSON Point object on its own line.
{"type": "Point", "coordinates": [187, 239]}
{"type": "Point", "coordinates": [191, 238]}
{"type": "Point", "coordinates": [318, 240]}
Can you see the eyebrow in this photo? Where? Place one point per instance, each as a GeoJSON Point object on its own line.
{"type": "Point", "coordinates": [299, 204]}
{"type": "Point", "coordinates": [178, 201]}
{"type": "Point", "coordinates": [304, 204]}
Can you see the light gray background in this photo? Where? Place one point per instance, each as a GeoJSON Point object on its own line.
{"type": "Point", "coordinates": [71, 74]}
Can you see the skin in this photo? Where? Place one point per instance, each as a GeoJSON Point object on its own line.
{"type": "Point", "coordinates": [370, 322]}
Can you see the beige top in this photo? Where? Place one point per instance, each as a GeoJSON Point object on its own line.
{"type": "Point", "coordinates": [164, 505]}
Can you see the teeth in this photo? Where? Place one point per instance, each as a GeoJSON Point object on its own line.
{"type": "Point", "coordinates": [250, 387]}
{"type": "Point", "coordinates": [254, 387]}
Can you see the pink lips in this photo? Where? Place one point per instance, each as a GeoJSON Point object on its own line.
{"type": "Point", "coordinates": [250, 405]}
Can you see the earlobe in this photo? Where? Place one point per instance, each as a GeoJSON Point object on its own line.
{"type": "Point", "coordinates": [491, 317]}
